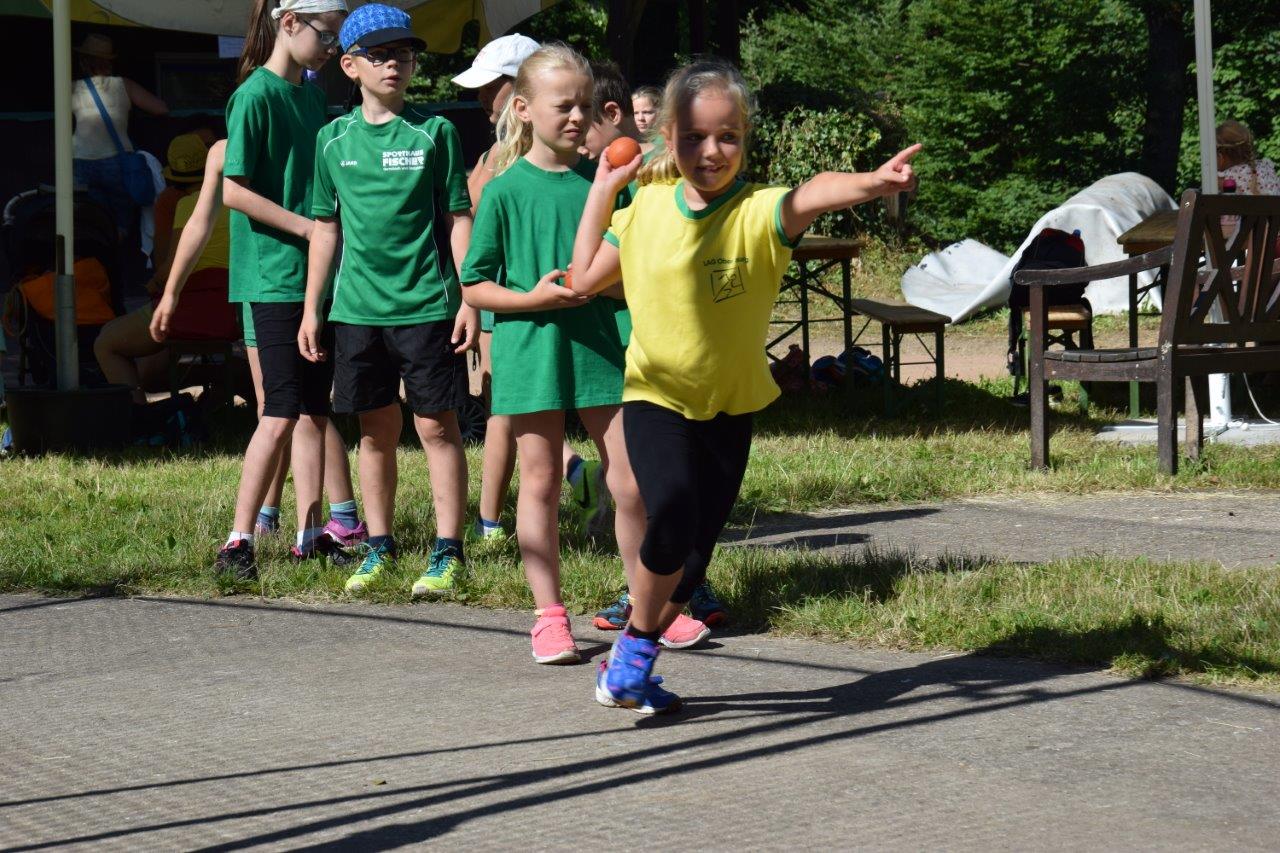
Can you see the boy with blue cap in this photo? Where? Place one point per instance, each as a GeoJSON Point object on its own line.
{"type": "Point", "coordinates": [392, 177]}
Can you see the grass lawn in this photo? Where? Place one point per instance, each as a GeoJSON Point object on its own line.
{"type": "Point", "coordinates": [148, 521]}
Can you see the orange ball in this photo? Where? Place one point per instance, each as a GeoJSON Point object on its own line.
{"type": "Point", "coordinates": [568, 279]}
{"type": "Point", "coordinates": [621, 151]}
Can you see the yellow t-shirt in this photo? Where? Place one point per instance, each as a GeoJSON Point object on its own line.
{"type": "Point", "coordinates": [217, 250]}
{"type": "Point", "coordinates": [701, 287]}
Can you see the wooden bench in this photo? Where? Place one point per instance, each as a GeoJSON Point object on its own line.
{"type": "Point", "coordinates": [897, 320]}
{"type": "Point", "coordinates": [1224, 318]}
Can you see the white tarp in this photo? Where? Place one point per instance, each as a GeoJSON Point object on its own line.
{"type": "Point", "coordinates": [968, 277]}
{"type": "Point", "coordinates": [229, 17]}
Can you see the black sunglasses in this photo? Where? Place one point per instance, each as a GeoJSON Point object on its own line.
{"type": "Point", "coordinates": [328, 38]}
{"type": "Point", "coordinates": [379, 55]}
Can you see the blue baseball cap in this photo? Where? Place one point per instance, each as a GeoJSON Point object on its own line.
{"type": "Point", "coordinates": [373, 24]}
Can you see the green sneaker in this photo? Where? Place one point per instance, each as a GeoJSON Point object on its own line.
{"type": "Point", "coordinates": [591, 495]}
{"type": "Point", "coordinates": [487, 541]}
{"type": "Point", "coordinates": [375, 559]}
{"type": "Point", "coordinates": [440, 576]}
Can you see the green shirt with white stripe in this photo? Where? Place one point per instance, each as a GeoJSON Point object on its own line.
{"type": "Point", "coordinates": [390, 184]}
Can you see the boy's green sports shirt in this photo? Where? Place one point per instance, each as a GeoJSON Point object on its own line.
{"type": "Point", "coordinates": [389, 184]}
{"type": "Point", "coordinates": [271, 132]}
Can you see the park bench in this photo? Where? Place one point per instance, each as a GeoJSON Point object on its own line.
{"type": "Point", "coordinates": [897, 320]}
{"type": "Point", "coordinates": [1221, 315]}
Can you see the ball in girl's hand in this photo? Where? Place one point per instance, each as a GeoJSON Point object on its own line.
{"type": "Point", "coordinates": [621, 151]}
{"type": "Point", "coordinates": [567, 281]}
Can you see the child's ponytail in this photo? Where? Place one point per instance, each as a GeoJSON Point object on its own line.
{"type": "Point", "coordinates": [259, 39]}
{"type": "Point", "coordinates": [682, 87]}
{"type": "Point", "coordinates": [515, 137]}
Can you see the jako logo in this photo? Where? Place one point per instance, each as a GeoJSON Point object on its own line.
{"type": "Point", "coordinates": [345, 163]}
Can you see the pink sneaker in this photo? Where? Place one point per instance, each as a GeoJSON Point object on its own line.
{"type": "Point", "coordinates": [684, 632]}
{"type": "Point", "coordinates": [552, 639]}
{"type": "Point", "coordinates": [346, 536]}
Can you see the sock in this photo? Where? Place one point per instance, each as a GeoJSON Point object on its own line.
{"type": "Point", "coordinates": [651, 636]}
{"type": "Point", "coordinates": [236, 536]}
{"type": "Point", "coordinates": [269, 517]}
{"type": "Point", "coordinates": [388, 543]}
{"type": "Point", "coordinates": [345, 514]}
{"type": "Point", "coordinates": [307, 538]}
{"type": "Point", "coordinates": [486, 525]}
{"type": "Point", "coordinates": [573, 473]}
{"type": "Point", "coordinates": [448, 546]}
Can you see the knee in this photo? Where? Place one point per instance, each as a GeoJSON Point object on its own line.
{"type": "Point", "coordinates": [622, 485]}
{"type": "Point", "coordinates": [277, 429]}
{"type": "Point", "coordinates": [382, 426]}
{"type": "Point", "coordinates": [540, 480]}
{"type": "Point", "coordinates": [438, 431]}
{"type": "Point", "coordinates": [669, 535]}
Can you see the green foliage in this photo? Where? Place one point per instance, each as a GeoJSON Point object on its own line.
{"type": "Point", "coordinates": [1017, 105]}
{"type": "Point", "coordinates": [1246, 82]}
{"type": "Point", "coordinates": [806, 141]}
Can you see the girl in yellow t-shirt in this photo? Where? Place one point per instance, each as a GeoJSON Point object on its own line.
{"type": "Point", "coordinates": [702, 253]}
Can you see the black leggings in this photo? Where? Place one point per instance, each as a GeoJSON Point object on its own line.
{"type": "Point", "coordinates": [689, 473]}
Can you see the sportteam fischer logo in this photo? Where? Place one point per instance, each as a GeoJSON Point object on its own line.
{"type": "Point", "coordinates": [405, 160]}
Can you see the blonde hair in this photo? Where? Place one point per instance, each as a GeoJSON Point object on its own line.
{"type": "Point", "coordinates": [515, 137]}
{"type": "Point", "coordinates": [685, 84]}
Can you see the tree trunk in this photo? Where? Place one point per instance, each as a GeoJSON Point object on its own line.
{"type": "Point", "coordinates": [1166, 87]}
{"type": "Point", "coordinates": [620, 32]}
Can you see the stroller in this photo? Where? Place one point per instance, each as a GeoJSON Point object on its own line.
{"type": "Point", "coordinates": [27, 236]}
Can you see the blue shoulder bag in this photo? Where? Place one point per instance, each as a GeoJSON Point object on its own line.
{"type": "Point", "coordinates": [133, 167]}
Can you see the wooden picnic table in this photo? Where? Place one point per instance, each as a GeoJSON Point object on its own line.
{"type": "Point", "coordinates": [1154, 232]}
{"type": "Point", "coordinates": [813, 257]}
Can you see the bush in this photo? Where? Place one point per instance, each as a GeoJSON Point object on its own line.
{"type": "Point", "coordinates": [805, 142]}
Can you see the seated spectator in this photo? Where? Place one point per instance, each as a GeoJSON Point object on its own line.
{"type": "Point", "coordinates": [1238, 161]}
{"type": "Point", "coordinates": [126, 350]}
{"type": "Point", "coordinates": [183, 174]}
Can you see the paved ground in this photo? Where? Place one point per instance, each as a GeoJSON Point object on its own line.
{"type": "Point", "coordinates": [165, 724]}
{"type": "Point", "coordinates": [1234, 530]}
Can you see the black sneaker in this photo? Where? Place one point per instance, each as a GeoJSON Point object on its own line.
{"type": "Point", "coordinates": [237, 560]}
{"type": "Point", "coordinates": [323, 547]}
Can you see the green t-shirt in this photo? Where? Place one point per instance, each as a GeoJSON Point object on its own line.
{"type": "Point", "coordinates": [386, 183]}
{"type": "Point", "coordinates": [271, 141]}
{"type": "Point", "coordinates": [569, 358]}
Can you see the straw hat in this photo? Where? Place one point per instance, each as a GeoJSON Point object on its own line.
{"type": "Point", "coordinates": [187, 153]}
{"type": "Point", "coordinates": [98, 45]}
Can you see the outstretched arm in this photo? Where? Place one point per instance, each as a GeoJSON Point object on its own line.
{"type": "Point", "coordinates": [596, 264]}
{"type": "Point", "coordinates": [837, 190]}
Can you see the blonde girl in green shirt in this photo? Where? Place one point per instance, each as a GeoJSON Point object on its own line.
{"type": "Point", "coordinates": [552, 350]}
{"type": "Point", "coordinates": [702, 253]}
{"type": "Point", "coordinates": [272, 121]}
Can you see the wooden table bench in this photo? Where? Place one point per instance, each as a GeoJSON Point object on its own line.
{"type": "Point", "coordinates": [813, 257]}
{"type": "Point", "coordinates": [897, 320]}
{"type": "Point", "coordinates": [1241, 277]}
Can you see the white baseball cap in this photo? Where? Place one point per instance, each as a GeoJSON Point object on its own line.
{"type": "Point", "coordinates": [500, 57]}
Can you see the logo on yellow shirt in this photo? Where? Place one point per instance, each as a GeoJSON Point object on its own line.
{"type": "Point", "coordinates": [726, 283]}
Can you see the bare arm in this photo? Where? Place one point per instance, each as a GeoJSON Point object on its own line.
{"type": "Point", "coordinates": [239, 196]}
{"type": "Point", "coordinates": [480, 175]}
{"type": "Point", "coordinates": [837, 190]}
{"type": "Point", "coordinates": [192, 238]}
{"type": "Point", "coordinates": [324, 242]}
{"type": "Point", "coordinates": [546, 295]}
{"type": "Point", "coordinates": [144, 100]}
{"type": "Point", "coordinates": [466, 326]}
{"type": "Point", "coordinates": [596, 263]}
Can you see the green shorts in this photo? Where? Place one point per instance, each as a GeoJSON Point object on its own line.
{"type": "Point", "coordinates": [246, 320]}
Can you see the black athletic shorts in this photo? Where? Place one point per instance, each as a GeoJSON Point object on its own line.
{"type": "Point", "coordinates": [291, 385]}
{"type": "Point", "coordinates": [371, 361]}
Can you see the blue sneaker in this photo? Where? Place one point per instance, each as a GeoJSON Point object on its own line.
{"type": "Point", "coordinates": [706, 607]}
{"type": "Point", "coordinates": [656, 700]}
{"type": "Point", "coordinates": [615, 616]}
{"type": "Point", "coordinates": [630, 665]}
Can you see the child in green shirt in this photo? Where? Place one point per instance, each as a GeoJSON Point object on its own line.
{"type": "Point", "coordinates": [272, 120]}
{"type": "Point", "coordinates": [552, 351]}
{"type": "Point", "coordinates": [397, 312]}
